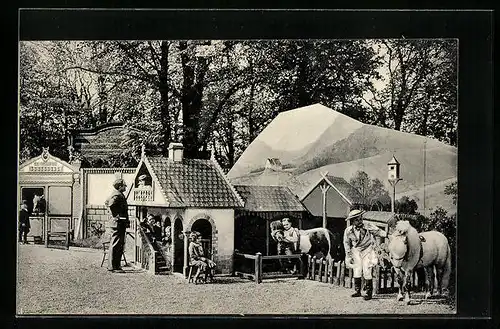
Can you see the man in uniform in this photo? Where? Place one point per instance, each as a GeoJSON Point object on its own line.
{"type": "Point", "coordinates": [290, 242]}
{"type": "Point", "coordinates": [24, 222]}
{"type": "Point", "coordinates": [118, 224]}
{"type": "Point", "coordinates": [359, 240]}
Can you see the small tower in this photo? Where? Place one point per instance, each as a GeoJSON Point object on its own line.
{"type": "Point", "coordinates": [393, 170]}
{"type": "Point", "coordinates": [394, 178]}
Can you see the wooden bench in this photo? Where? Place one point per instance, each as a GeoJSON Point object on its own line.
{"type": "Point", "coordinates": [59, 236]}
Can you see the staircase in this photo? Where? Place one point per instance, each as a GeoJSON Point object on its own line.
{"type": "Point", "coordinates": [161, 265]}
{"type": "Point", "coordinates": [149, 256]}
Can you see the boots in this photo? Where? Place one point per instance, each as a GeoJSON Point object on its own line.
{"type": "Point", "coordinates": [357, 287]}
{"type": "Point", "coordinates": [369, 289]}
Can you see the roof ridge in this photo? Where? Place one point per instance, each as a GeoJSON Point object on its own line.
{"type": "Point", "coordinates": [221, 172]}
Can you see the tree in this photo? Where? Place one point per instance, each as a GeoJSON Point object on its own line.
{"type": "Point", "coordinates": [405, 205]}
{"type": "Point", "coordinates": [372, 190]}
{"type": "Point", "coordinates": [419, 93]}
{"type": "Point", "coordinates": [452, 190]}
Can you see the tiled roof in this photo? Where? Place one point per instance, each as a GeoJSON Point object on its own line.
{"type": "Point", "coordinates": [268, 198]}
{"type": "Point", "coordinates": [349, 191]}
{"type": "Point", "coordinates": [379, 216]}
{"type": "Point", "coordinates": [193, 183]}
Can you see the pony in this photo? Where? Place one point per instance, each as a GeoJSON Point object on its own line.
{"type": "Point", "coordinates": [39, 204]}
{"type": "Point", "coordinates": [312, 241]}
{"type": "Point", "coordinates": [410, 250]}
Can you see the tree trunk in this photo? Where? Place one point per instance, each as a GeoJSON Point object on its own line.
{"type": "Point", "coordinates": [163, 88]}
{"type": "Point", "coordinates": [230, 141]}
{"type": "Point", "coordinates": [303, 97]}
{"type": "Point", "coordinates": [251, 123]}
{"type": "Point", "coordinates": [191, 98]}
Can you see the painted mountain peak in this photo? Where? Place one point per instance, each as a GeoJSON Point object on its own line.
{"type": "Point", "coordinates": [314, 139]}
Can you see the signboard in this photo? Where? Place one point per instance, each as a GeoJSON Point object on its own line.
{"type": "Point", "coordinates": [46, 166]}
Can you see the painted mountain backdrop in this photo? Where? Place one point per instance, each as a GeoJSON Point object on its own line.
{"type": "Point", "coordinates": [314, 139]}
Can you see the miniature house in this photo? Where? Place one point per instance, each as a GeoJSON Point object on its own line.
{"type": "Point", "coordinates": [188, 195]}
{"type": "Point", "coordinates": [331, 197]}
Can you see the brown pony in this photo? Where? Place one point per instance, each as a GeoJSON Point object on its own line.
{"type": "Point", "coordinates": [410, 250]}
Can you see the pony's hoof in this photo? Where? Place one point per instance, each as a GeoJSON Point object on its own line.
{"type": "Point", "coordinates": [407, 300]}
{"type": "Point", "coordinates": [399, 297]}
{"type": "Point", "coordinates": [427, 295]}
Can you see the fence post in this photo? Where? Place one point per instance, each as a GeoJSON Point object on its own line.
{"type": "Point", "coordinates": [392, 278]}
{"type": "Point", "coordinates": [332, 270]}
{"type": "Point", "coordinates": [342, 274]}
{"type": "Point", "coordinates": [326, 271]}
{"type": "Point", "coordinates": [258, 267]}
{"type": "Point", "coordinates": [313, 268]}
{"type": "Point", "coordinates": [350, 278]}
{"type": "Point", "coordinates": [377, 279]}
{"type": "Point", "coordinates": [302, 268]}
{"type": "Point", "coordinates": [309, 267]}
{"type": "Point", "coordinates": [320, 270]}
{"type": "Point", "coordinates": [385, 278]}
{"type": "Point", "coordinates": [337, 278]}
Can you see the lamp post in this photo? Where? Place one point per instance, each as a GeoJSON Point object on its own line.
{"type": "Point", "coordinates": [394, 178]}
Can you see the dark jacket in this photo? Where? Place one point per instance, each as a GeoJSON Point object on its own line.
{"type": "Point", "coordinates": [24, 219]}
{"type": "Point", "coordinates": [118, 207]}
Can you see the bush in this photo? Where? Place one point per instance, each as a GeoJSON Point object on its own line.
{"type": "Point", "coordinates": [90, 242]}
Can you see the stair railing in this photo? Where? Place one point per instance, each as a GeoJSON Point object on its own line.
{"type": "Point", "coordinates": [145, 255]}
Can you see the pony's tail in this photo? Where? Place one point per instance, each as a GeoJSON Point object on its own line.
{"type": "Point", "coordinates": [445, 280]}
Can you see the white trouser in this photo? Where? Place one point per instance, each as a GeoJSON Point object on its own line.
{"type": "Point", "coordinates": [363, 262]}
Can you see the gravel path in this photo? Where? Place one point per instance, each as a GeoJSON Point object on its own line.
{"type": "Point", "coordinates": [52, 281]}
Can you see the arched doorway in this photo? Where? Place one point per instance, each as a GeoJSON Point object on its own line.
{"type": "Point", "coordinates": [203, 226]}
{"type": "Point", "coordinates": [178, 242]}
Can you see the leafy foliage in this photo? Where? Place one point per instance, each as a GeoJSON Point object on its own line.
{"type": "Point", "coordinates": [452, 190]}
{"type": "Point", "coordinates": [372, 190]}
{"type": "Point", "coordinates": [219, 95]}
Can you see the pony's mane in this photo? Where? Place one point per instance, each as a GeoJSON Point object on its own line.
{"type": "Point", "coordinates": [403, 227]}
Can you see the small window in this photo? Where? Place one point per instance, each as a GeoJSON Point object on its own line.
{"type": "Point", "coordinates": [392, 167]}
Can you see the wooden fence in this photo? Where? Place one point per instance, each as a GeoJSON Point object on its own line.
{"type": "Point", "coordinates": [257, 267]}
{"type": "Point", "coordinates": [322, 270]}
{"type": "Point", "coordinates": [328, 271]}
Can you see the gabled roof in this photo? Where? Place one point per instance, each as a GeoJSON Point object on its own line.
{"type": "Point", "coordinates": [385, 217]}
{"type": "Point", "coordinates": [268, 198]}
{"type": "Point", "coordinates": [193, 183]}
{"type": "Point", "coordinates": [393, 161]}
{"type": "Point", "coordinates": [46, 156]}
{"type": "Point", "coordinates": [346, 190]}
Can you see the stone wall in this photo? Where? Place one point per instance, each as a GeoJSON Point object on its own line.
{"type": "Point", "coordinates": [97, 216]}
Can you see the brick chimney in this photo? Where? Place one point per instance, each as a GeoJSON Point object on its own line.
{"type": "Point", "coordinates": [175, 152]}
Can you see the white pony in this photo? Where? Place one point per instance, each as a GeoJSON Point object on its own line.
{"type": "Point", "coordinates": [410, 250]}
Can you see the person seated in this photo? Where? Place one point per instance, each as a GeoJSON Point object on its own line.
{"type": "Point", "coordinates": [197, 258]}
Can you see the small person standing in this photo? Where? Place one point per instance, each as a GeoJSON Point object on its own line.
{"type": "Point", "coordinates": [24, 222]}
{"type": "Point", "coordinates": [118, 223]}
{"type": "Point", "coordinates": [290, 243]}
{"type": "Point", "coordinates": [359, 243]}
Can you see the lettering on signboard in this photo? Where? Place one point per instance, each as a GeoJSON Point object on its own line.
{"type": "Point", "coordinates": [46, 166]}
